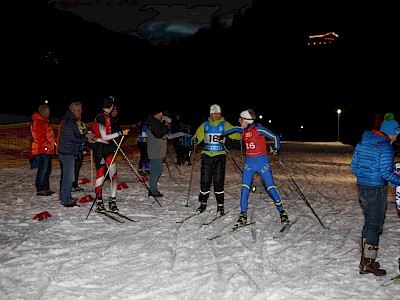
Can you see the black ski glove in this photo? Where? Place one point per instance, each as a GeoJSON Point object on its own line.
{"type": "Point", "coordinates": [273, 150]}
{"type": "Point", "coordinates": [221, 138]}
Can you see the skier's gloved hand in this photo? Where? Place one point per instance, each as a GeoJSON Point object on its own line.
{"type": "Point", "coordinates": [273, 150]}
{"type": "Point", "coordinates": [195, 141]}
{"type": "Point", "coordinates": [124, 132]}
{"type": "Point", "coordinates": [221, 138]}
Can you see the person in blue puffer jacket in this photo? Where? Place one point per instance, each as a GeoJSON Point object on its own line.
{"type": "Point", "coordinates": [373, 165]}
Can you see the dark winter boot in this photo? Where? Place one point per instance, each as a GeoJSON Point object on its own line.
{"type": "Point", "coordinates": [362, 260]}
{"type": "Point", "coordinates": [284, 218]}
{"type": "Point", "coordinates": [202, 207]}
{"type": "Point", "coordinates": [370, 266]}
{"type": "Point", "coordinates": [242, 221]}
{"type": "Point", "coordinates": [100, 205]}
{"type": "Point", "coordinates": [112, 204]}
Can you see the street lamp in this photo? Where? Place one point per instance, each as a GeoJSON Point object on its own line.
{"type": "Point", "coordinates": [339, 111]}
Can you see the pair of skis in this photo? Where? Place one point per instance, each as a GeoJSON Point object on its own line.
{"type": "Point", "coordinates": [116, 216]}
{"type": "Point", "coordinates": [280, 234]}
{"type": "Point", "coordinates": [197, 214]}
{"type": "Point", "coordinates": [234, 229]}
{"type": "Point", "coordinates": [285, 228]}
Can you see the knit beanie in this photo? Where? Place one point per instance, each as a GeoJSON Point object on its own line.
{"type": "Point", "coordinates": [156, 111]}
{"type": "Point", "coordinates": [215, 109]}
{"type": "Point", "coordinates": [42, 107]}
{"type": "Point", "coordinates": [390, 127]}
{"type": "Point", "coordinates": [108, 102]}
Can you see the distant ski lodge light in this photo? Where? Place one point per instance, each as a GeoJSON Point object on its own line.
{"type": "Point", "coordinates": [322, 39]}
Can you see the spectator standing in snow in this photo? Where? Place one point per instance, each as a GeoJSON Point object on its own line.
{"type": "Point", "coordinates": [42, 149]}
{"type": "Point", "coordinates": [144, 161]}
{"type": "Point", "coordinates": [70, 141]}
{"type": "Point", "coordinates": [213, 157]}
{"type": "Point", "coordinates": [373, 165]}
{"type": "Point", "coordinates": [256, 161]}
{"type": "Point", "coordinates": [157, 147]}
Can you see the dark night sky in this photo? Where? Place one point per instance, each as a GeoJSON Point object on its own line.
{"type": "Point", "coordinates": [267, 68]}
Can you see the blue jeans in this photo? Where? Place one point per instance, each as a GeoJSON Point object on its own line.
{"type": "Point", "coordinates": [42, 182]}
{"type": "Point", "coordinates": [156, 168]}
{"type": "Point", "coordinates": [67, 177]}
{"type": "Point", "coordinates": [373, 200]}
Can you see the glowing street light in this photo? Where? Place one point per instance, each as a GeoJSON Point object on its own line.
{"type": "Point", "coordinates": [339, 111]}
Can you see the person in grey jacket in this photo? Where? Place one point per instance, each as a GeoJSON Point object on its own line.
{"type": "Point", "coordinates": [70, 141]}
{"type": "Point", "coordinates": [373, 165]}
{"type": "Point", "coordinates": [157, 136]}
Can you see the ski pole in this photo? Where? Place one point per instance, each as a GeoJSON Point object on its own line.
{"type": "Point", "coordinates": [299, 191]}
{"type": "Point", "coordinates": [137, 174]}
{"type": "Point", "coordinates": [105, 176]}
{"type": "Point", "coordinates": [191, 176]}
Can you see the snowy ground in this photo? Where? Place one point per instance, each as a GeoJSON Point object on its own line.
{"type": "Point", "coordinates": [73, 255]}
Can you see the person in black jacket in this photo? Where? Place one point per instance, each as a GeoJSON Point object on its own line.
{"type": "Point", "coordinates": [68, 149]}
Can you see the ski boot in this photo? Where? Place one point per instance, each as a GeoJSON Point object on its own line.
{"type": "Point", "coordinates": [220, 210]}
{"type": "Point", "coordinates": [242, 221]}
{"type": "Point", "coordinates": [202, 207]}
{"type": "Point", "coordinates": [284, 218]}
{"type": "Point", "coordinates": [112, 204]}
{"type": "Point", "coordinates": [100, 206]}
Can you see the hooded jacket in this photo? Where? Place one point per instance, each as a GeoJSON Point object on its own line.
{"type": "Point", "coordinates": [373, 160]}
{"type": "Point", "coordinates": [42, 135]}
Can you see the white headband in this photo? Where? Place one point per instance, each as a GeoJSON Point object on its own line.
{"type": "Point", "coordinates": [245, 115]}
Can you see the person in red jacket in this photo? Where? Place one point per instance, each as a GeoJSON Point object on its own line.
{"type": "Point", "coordinates": [42, 147]}
{"type": "Point", "coordinates": [257, 161]}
